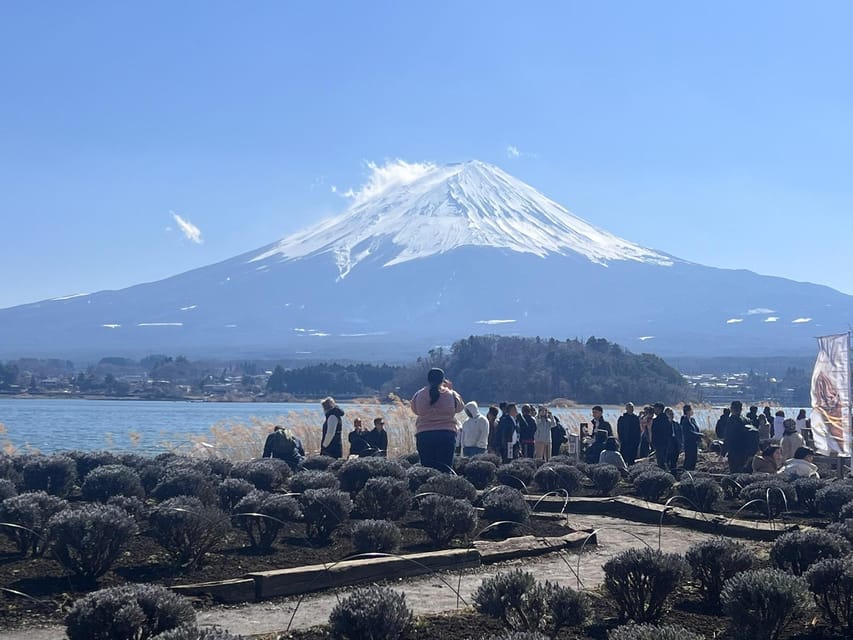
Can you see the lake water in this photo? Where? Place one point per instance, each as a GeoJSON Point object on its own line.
{"type": "Point", "coordinates": [146, 426]}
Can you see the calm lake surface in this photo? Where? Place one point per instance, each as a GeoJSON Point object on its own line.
{"type": "Point", "coordinates": [146, 426]}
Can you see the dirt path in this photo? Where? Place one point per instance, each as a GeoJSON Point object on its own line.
{"type": "Point", "coordinates": [436, 593]}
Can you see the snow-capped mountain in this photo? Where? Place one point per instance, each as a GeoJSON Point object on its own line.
{"type": "Point", "coordinates": [469, 204]}
{"type": "Point", "coordinates": [424, 255]}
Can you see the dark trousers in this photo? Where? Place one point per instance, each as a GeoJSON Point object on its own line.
{"type": "Point", "coordinates": [629, 449]}
{"type": "Point", "coordinates": [737, 462]}
{"type": "Point", "coordinates": [334, 450]}
{"type": "Point", "coordinates": [691, 454]}
{"type": "Point", "coordinates": [661, 453]}
{"type": "Point", "coordinates": [435, 449]}
{"type": "Point", "coordinates": [672, 454]}
{"type": "Point", "coordinates": [527, 448]}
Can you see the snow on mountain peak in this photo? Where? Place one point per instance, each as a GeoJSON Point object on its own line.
{"type": "Point", "coordinates": [409, 211]}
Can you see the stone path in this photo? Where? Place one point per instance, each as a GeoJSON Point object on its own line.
{"type": "Point", "coordinates": [437, 593]}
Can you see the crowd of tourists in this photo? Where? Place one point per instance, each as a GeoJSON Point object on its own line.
{"type": "Point", "coordinates": [756, 442]}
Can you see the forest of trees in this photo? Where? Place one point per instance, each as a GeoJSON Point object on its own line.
{"type": "Point", "coordinates": [495, 368]}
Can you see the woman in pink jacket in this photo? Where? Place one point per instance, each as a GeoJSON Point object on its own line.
{"type": "Point", "coordinates": [436, 406]}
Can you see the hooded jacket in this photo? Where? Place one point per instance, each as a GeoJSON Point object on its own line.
{"type": "Point", "coordinates": [796, 468]}
{"type": "Point", "coordinates": [475, 431]}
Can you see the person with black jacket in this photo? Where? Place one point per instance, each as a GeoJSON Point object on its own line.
{"type": "Point", "coordinates": [598, 421]}
{"type": "Point", "coordinates": [527, 431]}
{"type": "Point", "coordinates": [691, 436]}
{"type": "Point", "coordinates": [677, 442]}
{"type": "Point", "coordinates": [507, 433]}
{"type": "Point", "coordinates": [378, 439]}
{"type": "Point", "coordinates": [331, 444]}
{"type": "Point", "coordinates": [359, 445]}
{"type": "Point", "coordinates": [628, 431]}
{"type": "Point", "coordinates": [558, 437]}
{"type": "Point", "coordinates": [752, 416]}
{"type": "Point", "coordinates": [661, 435]}
{"type": "Point", "coordinates": [593, 451]}
{"type": "Point", "coordinates": [741, 439]}
{"type": "Point", "coordinates": [282, 444]}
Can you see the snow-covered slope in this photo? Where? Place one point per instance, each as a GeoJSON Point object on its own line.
{"type": "Point", "coordinates": [441, 208]}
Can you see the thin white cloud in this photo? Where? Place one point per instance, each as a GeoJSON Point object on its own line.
{"type": "Point", "coordinates": [495, 321]}
{"type": "Point", "coordinates": [801, 321]}
{"type": "Point", "coordinates": [190, 231]}
{"type": "Point", "coordinates": [734, 320]}
{"type": "Point", "coordinates": [333, 188]}
{"type": "Point", "coordinates": [512, 151]}
{"type": "Point", "coordinates": [159, 324]}
{"type": "Point", "coordinates": [644, 338]}
{"type": "Point", "coordinates": [391, 174]}
{"type": "Point", "coordinates": [771, 319]}
{"type": "Point", "coordinates": [760, 311]}
{"type": "Point", "coordinates": [111, 326]}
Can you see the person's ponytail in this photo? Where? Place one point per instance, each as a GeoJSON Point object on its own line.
{"type": "Point", "coordinates": [435, 377]}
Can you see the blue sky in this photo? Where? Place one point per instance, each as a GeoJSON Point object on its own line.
{"type": "Point", "coordinates": [720, 132]}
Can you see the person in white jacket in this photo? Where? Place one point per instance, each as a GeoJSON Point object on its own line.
{"type": "Point", "coordinates": [542, 439]}
{"type": "Point", "coordinates": [791, 439]}
{"type": "Point", "coordinates": [475, 431]}
{"type": "Point", "coordinates": [800, 466]}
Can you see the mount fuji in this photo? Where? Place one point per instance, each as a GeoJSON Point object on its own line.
{"type": "Point", "coordinates": [429, 255]}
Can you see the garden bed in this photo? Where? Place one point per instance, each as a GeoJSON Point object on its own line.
{"type": "Point", "coordinates": [688, 612]}
{"type": "Point", "coordinates": [44, 580]}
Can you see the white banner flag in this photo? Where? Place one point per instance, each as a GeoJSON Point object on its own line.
{"type": "Point", "coordinates": [830, 417]}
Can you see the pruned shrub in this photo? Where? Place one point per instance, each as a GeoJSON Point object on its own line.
{"type": "Point", "coordinates": [446, 518]}
{"type": "Point", "coordinates": [220, 467]}
{"type": "Point", "coordinates": [87, 541]}
{"type": "Point", "coordinates": [714, 561]}
{"type": "Point", "coordinates": [505, 504]}
{"type": "Point", "coordinates": [354, 474]}
{"type": "Point", "coordinates": [846, 512]}
{"type": "Point", "coordinates": [375, 536]}
{"type": "Point", "coordinates": [641, 580]}
{"type": "Point", "coordinates": [566, 608]}
{"type": "Point", "coordinates": [191, 632]}
{"type": "Point", "coordinates": [806, 489]}
{"type": "Point", "coordinates": [798, 550]}
{"type": "Point", "coordinates": [832, 497]}
{"type": "Point", "coordinates": [7, 489]}
{"type": "Point", "coordinates": [8, 469]}
{"type": "Point", "coordinates": [137, 612]}
{"type": "Point", "coordinates": [487, 457]}
{"type": "Point", "coordinates": [769, 497]}
{"type": "Point", "coordinates": [417, 475]}
{"type": "Point", "coordinates": [187, 529]}
{"type": "Point", "coordinates": [449, 485]}
{"type": "Point", "coordinates": [639, 468]}
{"type": "Point", "coordinates": [653, 485]}
{"type": "Point", "coordinates": [517, 474]}
{"type": "Point", "coordinates": [182, 481]}
{"type": "Point", "coordinates": [316, 463]}
{"type": "Point", "coordinates": [266, 474]}
{"type": "Point", "coordinates": [262, 515]}
{"type": "Point", "coordinates": [514, 597]}
{"type": "Point", "coordinates": [559, 477]}
{"type": "Point", "coordinates": [303, 480]}
{"type": "Point", "coordinates": [132, 506]}
{"type": "Point", "coordinates": [652, 632]}
{"type": "Point", "coordinates": [523, 604]}
{"type": "Point", "coordinates": [383, 498]}
{"type": "Point", "coordinates": [102, 483]}
{"type": "Point", "coordinates": [703, 493]}
{"type": "Point", "coordinates": [231, 491]}
{"type": "Point", "coordinates": [324, 510]}
{"type": "Point", "coordinates": [480, 473]}
{"type": "Point", "coordinates": [52, 474]}
{"type": "Point", "coordinates": [762, 603]}
{"type": "Point", "coordinates": [733, 484]}
{"type": "Point", "coordinates": [87, 461]}
{"type": "Point", "coordinates": [517, 635]}
{"type": "Point", "coordinates": [831, 583]}
{"type": "Point", "coordinates": [23, 519]}
{"type": "Point", "coordinates": [370, 612]}
{"type": "Point", "coordinates": [605, 477]}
